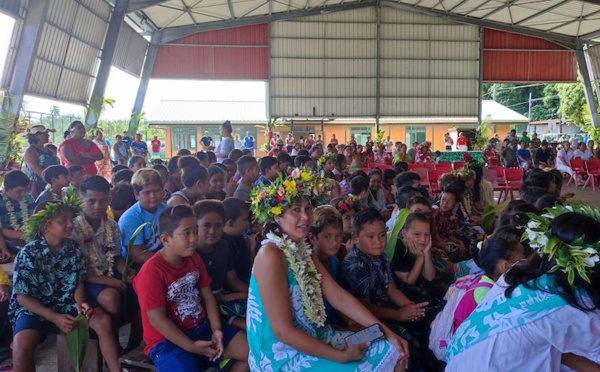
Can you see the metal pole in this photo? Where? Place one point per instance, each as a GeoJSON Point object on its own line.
{"type": "Point", "coordinates": [529, 111]}
{"type": "Point", "coordinates": [378, 72]}
{"type": "Point", "coordinates": [480, 88]}
{"type": "Point", "coordinates": [587, 85]}
{"type": "Point", "coordinates": [145, 78]}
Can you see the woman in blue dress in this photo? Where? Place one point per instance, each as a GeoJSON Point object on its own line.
{"type": "Point", "coordinates": [286, 313]}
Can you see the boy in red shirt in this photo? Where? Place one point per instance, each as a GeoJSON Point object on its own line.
{"type": "Point", "coordinates": [182, 328]}
{"type": "Point", "coordinates": [155, 147]}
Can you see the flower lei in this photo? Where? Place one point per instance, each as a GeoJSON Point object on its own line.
{"type": "Point", "coordinates": [53, 195]}
{"type": "Point", "coordinates": [36, 223]}
{"type": "Point", "coordinates": [345, 204]}
{"type": "Point", "coordinates": [10, 210]}
{"type": "Point", "coordinates": [327, 156]}
{"type": "Point", "coordinates": [570, 258]}
{"type": "Point", "coordinates": [109, 248]}
{"type": "Point", "coordinates": [272, 200]}
{"type": "Point", "coordinates": [299, 257]}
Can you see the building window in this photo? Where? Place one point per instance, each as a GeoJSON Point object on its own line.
{"type": "Point", "coordinates": [183, 138]}
{"type": "Point", "coordinates": [360, 134]}
{"type": "Point", "coordinates": [415, 134]}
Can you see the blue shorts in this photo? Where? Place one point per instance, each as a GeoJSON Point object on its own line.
{"type": "Point", "coordinates": [169, 357]}
{"type": "Point", "coordinates": [36, 323]}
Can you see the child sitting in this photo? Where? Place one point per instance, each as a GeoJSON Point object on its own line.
{"type": "Point", "coordinates": [237, 217]}
{"type": "Point", "coordinates": [121, 199]}
{"type": "Point", "coordinates": [122, 177]}
{"type": "Point", "coordinates": [195, 182]}
{"type": "Point", "coordinates": [148, 190]}
{"type": "Point", "coordinates": [48, 288]}
{"type": "Point", "coordinates": [375, 196]}
{"type": "Point", "coordinates": [348, 206]}
{"type": "Point", "coordinates": [77, 174]}
{"type": "Point", "coordinates": [285, 163]}
{"type": "Point", "coordinates": [269, 170]}
{"type": "Point", "coordinates": [327, 164]}
{"type": "Point", "coordinates": [164, 176]}
{"type": "Point", "coordinates": [448, 227]}
{"type": "Point", "coordinates": [56, 177]}
{"type": "Point", "coordinates": [248, 168]}
{"type": "Point", "coordinates": [303, 161]}
{"type": "Point", "coordinates": [216, 181]}
{"type": "Point", "coordinates": [174, 181]}
{"type": "Point", "coordinates": [136, 163]}
{"type": "Point", "coordinates": [99, 239]}
{"type": "Point", "coordinates": [230, 292]}
{"type": "Point", "coordinates": [339, 170]}
{"type": "Point", "coordinates": [16, 206]}
{"type": "Point", "coordinates": [182, 328]}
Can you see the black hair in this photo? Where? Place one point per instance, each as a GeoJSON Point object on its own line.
{"type": "Point", "coordinates": [134, 159]}
{"type": "Point", "coordinates": [284, 157]}
{"type": "Point", "coordinates": [122, 175]}
{"type": "Point", "coordinates": [389, 175]}
{"type": "Point", "coordinates": [245, 163]}
{"type": "Point", "coordinates": [227, 126]}
{"type": "Point", "coordinates": [228, 162]}
{"type": "Point", "coordinates": [203, 207]}
{"type": "Point", "coordinates": [122, 197]}
{"type": "Point", "coordinates": [547, 202]}
{"type": "Point", "coordinates": [160, 167]}
{"type": "Point", "coordinates": [301, 160]}
{"type": "Point", "coordinates": [212, 158]}
{"type": "Point", "coordinates": [406, 179]}
{"type": "Point", "coordinates": [32, 138]}
{"type": "Point", "coordinates": [339, 159]}
{"type": "Point", "coordinates": [119, 167]}
{"type": "Point", "coordinates": [54, 171]}
{"type": "Point", "coordinates": [171, 217]}
{"type": "Point", "coordinates": [235, 154]}
{"type": "Point", "coordinates": [16, 178]}
{"type": "Point", "coordinates": [66, 134]}
{"type": "Point", "coordinates": [416, 216]}
{"type": "Point", "coordinates": [304, 152]}
{"type": "Point", "coordinates": [358, 185]}
{"type": "Point", "coordinates": [74, 123]}
{"type": "Point", "coordinates": [533, 194]}
{"type": "Point", "coordinates": [193, 174]}
{"type": "Point", "coordinates": [375, 171]}
{"type": "Point", "coordinates": [417, 199]}
{"type": "Point", "coordinates": [172, 164]}
{"type": "Point", "coordinates": [567, 227]}
{"type": "Point", "coordinates": [476, 185]}
{"type": "Point", "coordinates": [369, 215]}
{"type": "Point", "coordinates": [557, 177]}
{"type": "Point", "coordinates": [202, 156]}
{"type": "Point", "coordinates": [233, 208]}
{"type": "Point", "coordinates": [74, 169]}
{"type": "Point", "coordinates": [187, 161]}
{"type": "Point", "coordinates": [266, 163]}
{"type": "Point", "coordinates": [456, 190]}
{"type": "Point", "coordinates": [404, 194]}
{"type": "Point", "coordinates": [184, 152]}
{"type": "Point", "coordinates": [94, 183]}
{"type": "Point", "coordinates": [214, 170]}
{"type": "Point", "coordinates": [221, 166]}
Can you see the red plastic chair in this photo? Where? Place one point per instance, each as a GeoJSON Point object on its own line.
{"type": "Point", "coordinates": [458, 164]}
{"type": "Point", "coordinates": [578, 166]}
{"type": "Point", "coordinates": [429, 165]}
{"type": "Point", "coordinates": [382, 166]}
{"type": "Point", "coordinates": [514, 179]}
{"type": "Point", "coordinates": [490, 175]}
{"type": "Point", "coordinates": [434, 175]}
{"type": "Point", "coordinates": [444, 169]}
{"type": "Point", "coordinates": [500, 184]}
{"type": "Point", "coordinates": [366, 170]}
{"type": "Point", "coordinates": [593, 173]}
{"type": "Point", "coordinates": [415, 166]}
{"type": "Point", "coordinates": [423, 174]}
{"type": "Point", "coordinates": [445, 164]}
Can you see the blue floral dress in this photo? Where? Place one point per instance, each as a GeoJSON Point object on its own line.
{"type": "Point", "coordinates": [267, 354]}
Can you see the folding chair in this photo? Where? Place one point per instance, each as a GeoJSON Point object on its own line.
{"type": "Point", "coordinates": [429, 165]}
{"type": "Point", "coordinates": [424, 175]}
{"type": "Point", "coordinates": [445, 164]}
{"type": "Point", "coordinates": [458, 164]}
{"type": "Point", "coordinates": [415, 166]}
{"type": "Point", "coordinates": [514, 179]}
{"type": "Point", "coordinates": [578, 167]}
{"type": "Point", "coordinates": [593, 173]}
{"type": "Point", "coordinates": [434, 175]}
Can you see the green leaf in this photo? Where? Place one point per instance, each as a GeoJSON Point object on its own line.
{"type": "Point", "coordinates": [77, 341]}
{"type": "Point", "coordinates": [489, 214]}
{"type": "Point", "coordinates": [128, 261]}
{"type": "Point", "coordinates": [392, 238]}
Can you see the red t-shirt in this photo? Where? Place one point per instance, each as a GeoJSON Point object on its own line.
{"type": "Point", "coordinates": [155, 144]}
{"type": "Point", "coordinates": [462, 141]}
{"type": "Point", "coordinates": [175, 287]}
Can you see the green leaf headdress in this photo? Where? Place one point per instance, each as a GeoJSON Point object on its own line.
{"type": "Point", "coordinates": [323, 159]}
{"type": "Point", "coordinates": [35, 224]}
{"type": "Point", "coordinates": [570, 258]}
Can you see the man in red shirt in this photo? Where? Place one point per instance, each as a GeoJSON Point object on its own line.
{"type": "Point", "coordinates": [155, 147]}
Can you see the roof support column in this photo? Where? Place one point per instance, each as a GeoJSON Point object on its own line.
{"type": "Point", "coordinates": [378, 72]}
{"type": "Point", "coordinates": [587, 85]}
{"type": "Point", "coordinates": [108, 51]}
{"type": "Point", "coordinates": [33, 24]}
{"type": "Point", "coordinates": [480, 88]}
{"type": "Point", "coordinates": [145, 80]}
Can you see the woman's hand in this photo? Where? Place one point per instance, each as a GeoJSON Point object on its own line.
{"type": "Point", "coordinates": [412, 313]}
{"type": "Point", "coordinates": [85, 309]}
{"type": "Point", "coordinates": [354, 352]}
{"type": "Point", "coordinates": [401, 345]}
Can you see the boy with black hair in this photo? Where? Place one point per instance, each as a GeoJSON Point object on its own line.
{"type": "Point", "coordinates": [16, 206]}
{"type": "Point", "coordinates": [203, 158]}
{"type": "Point", "coordinates": [285, 162]}
{"type": "Point", "coordinates": [237, 222]}
{"type": "Point", "coordinates": [77, 174]}
{"type": "Point", "coordinates": [121, 199]}
{"type": "Point", "coordinates": [122, 177]}
{"type": "Point", "coordinates": [359, 187]}
{"type": "Point", "coordinates": [195, 182]}
{"type": "Point", "coordinates": [303, 161]}
{"type": "Point", "coordinates": [230, 292]}
{"type": "Point", "coordinates": [248, 168]}
{"type": "Point", "coordinates": [56, 177]}
{"type": "Point", "coordinates": [269, 170]}
{"type": "Point", "coordinates": [182, 327]}
{"type": "Point", "coordinates": [118, 167]}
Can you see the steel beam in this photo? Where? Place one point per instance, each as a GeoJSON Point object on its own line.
{"type": "Point", "coordinates": [542, 12]}
{"type": "Point", "coordinates": [480, 88]}
{"type": "Point", "coordinates": [587, 85]}
{"type": "Point", "coordinates": [171, 34]}
{"type": "Point", "coordinates": [145, 78]}
{"type": "Point", "coordinates": [566, 41]}
{"type": "Point", "coordinates": [135, 5]}
{"type": "Point", "coordinates": [33, 23]}
{"type": "Point", "coordinates": [378, 72]}
{"type": "Point", "coordinates": [108, 51]}
{"type": "Point", "coordinates": [508, 4]}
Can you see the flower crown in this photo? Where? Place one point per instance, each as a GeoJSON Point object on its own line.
{"type": "Point", "coordinates": [70, 202]}
{"type": "Point", "coordinates": [323, 159]}
{"type": "Point", "coordinates": [272, 200]}
{"type": "Point", "coordinates": [570, 258]}
{"type": "Point", "coordinates": [347, 203]}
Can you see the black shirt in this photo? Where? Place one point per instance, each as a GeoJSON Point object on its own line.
{"type": "Point", "coordinates": [239, 254]}
{"type": "Point", "coordinates": [217, 264]}
{"type": "Point", "coordinates": [206, 141]}
{"type": "Point", "coordinates": [543, 156]}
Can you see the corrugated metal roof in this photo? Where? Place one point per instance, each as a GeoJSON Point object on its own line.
{"type": "Point", "coordinates": [500, 113]}
{"type": "Point", "coordinates": [195, 112]}
{"type": "Point", "coordinates": [130, 51]}
{"type": "Point", "coordinates": [10, 7]}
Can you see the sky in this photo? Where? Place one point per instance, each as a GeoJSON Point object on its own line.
{"type": "Point", "coordinates": [122, 87]}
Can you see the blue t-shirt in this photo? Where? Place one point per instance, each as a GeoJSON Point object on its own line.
{"type": "Point", "coordinates": [249, 142]}
{"type": "Point", "coordinates": [133, 218]}
{"type": "Point", "coordinates": [225, 147]}
{"type": "Point", "coordinates": [525, 154]}
{"type": "Point", "coordinates": [262, 181]}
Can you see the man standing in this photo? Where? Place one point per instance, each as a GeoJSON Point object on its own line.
{"type": "Point", "coordinates": [249, 142]}
{"type": "Point", "coordinates": [512, 136]}
{"type": "Point", "coordinates": [535, 142]}
{"type": "Point", "coordinates": [509, 155]}
{"type": "Point", "coordinates": [155, 147]}
{"type": "Point", "coordinates": [206, 141]}
{"type": "Point", "coordinates": [126, 140]}
{"type": "Point", "coordinates": [525, 138]}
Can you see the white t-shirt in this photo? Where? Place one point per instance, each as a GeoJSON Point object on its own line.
{"type": "Point", "coordinates": [565, 155]}
{"type": "Point", "coordinates": [535, 346]}
{"type": "Point", "coordinates": [584, 155]}
{"type": "Point", "coordinates": [574, 142]}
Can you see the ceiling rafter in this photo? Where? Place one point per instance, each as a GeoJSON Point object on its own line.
{"type": "Point", "coordinates": [508, 4]}
{"type": "Point", "coordinates": [557, 5]}
{"type": "Point", "coordinates": [478, 7]}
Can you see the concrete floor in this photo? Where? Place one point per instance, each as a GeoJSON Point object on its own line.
{"type": "Point", "coordinates": [46, 353]}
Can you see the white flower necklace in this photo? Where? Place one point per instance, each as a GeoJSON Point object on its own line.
{"type": "Point", "coordinates": [299, 257]}
{"type": "Point", "coordinates": [10, 210]}
{"type": "Point", "coordinates": [92, 254]}
{"type": "Point", "coordinates": [53, 195]}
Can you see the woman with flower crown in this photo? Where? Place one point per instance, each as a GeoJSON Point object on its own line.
{"type": "Point", "coordinates": [286, 314]}
{"type": "Point", "coordinates": [545, 311]}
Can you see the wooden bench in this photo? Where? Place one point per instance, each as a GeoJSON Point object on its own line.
{"type": "Point", "coordinates": [136, 359]}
